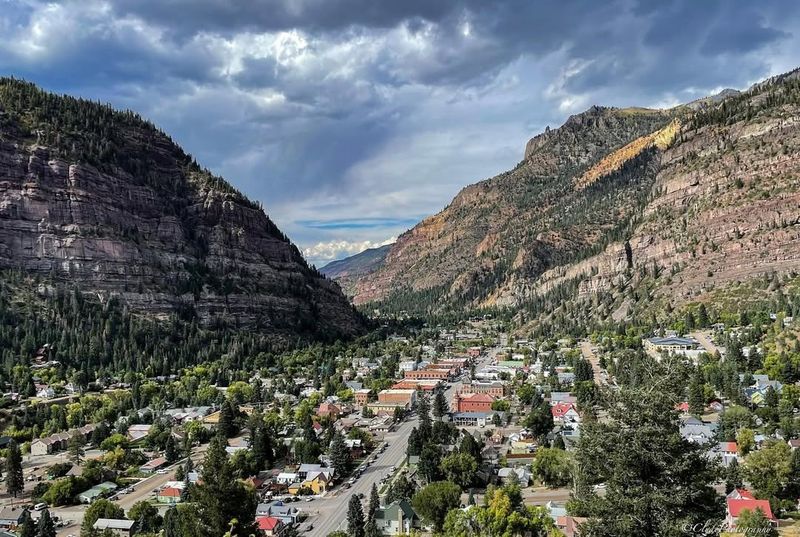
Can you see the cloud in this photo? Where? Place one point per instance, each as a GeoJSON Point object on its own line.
{"type": "Point", "coordinates": [350, 119]}
{"type": "Point", "coordinates": [324, 252]}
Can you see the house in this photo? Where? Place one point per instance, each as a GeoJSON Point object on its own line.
{"type": "Point", "coordinates": [329, 409]}
{"type": "Point", "coordinates": [170, 495]}
{"type": "Point", "coordinates": [285, 513]}
{"type": "Point", "coordinates": [362, 396]}
{"type": "Point", "coordinates": [151, 466]}
{"type": "Point", "coordinates": [794, 443]}
{"type": "Point", "coordinates": [473, 402]}
{"type": "Point", "coordinates": [725, 452]}
{"type": "Point", "coordinates": [11, 517]}
{"type": "Point", "coordinates": [138, 432]}
{"type": "Point", "coordinates": [97, 491]}
{"type": "Point", "coordinates": [569, 525]}
{"type": "Point", "coordinates": [287, 478]}
{"type": "Point", "coordinates": [46, 393]}
{"type": "Point", "coordinates": [698, 431]}
{"type": "Point", "coordinates": [397, 518]}
{"type": "Point", "coordinates": [562, 397]}
{"type": "Point", "coordinates": [523, 475]}
{"type": "Point", "coordinates": [117, 526]}
{"type": "Point", "coordinates": [735, 507]}
{"type": "Point", "coordinates": [566, 377]}
{"type": "Point", "coordinates": [271, 526]}
{"type": "Point", "coordinates": [565, 413]}
{"type": "Point", "coordinates": [356, 449]}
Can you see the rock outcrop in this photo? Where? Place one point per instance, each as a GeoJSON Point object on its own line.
{"type": "Point", "coordinates": [117, 209]}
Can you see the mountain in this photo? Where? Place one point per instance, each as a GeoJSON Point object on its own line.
{"type": "Point", "coordinates": [619, 207]}
{"type": "Point", "coordinates": [349, 270]}
{"type": "Point", "coordinates": [102, 201]}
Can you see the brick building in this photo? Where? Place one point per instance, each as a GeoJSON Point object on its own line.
{"type": "Point", "coordinates": [473, 402]}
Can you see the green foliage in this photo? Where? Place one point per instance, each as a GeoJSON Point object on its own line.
{"type": "Point", "coordinates": [460, 468]}
{"type": "Point", "coordinates": [502, 515]}
{"type": "Point", "coordinates": [435, 500]}
{"type": "Point", "coordinates": [769, 469]}
{"type": "Point", "coordinates": [100, 508]}
{"type": "Point", "coordinates": [14, 480]}
{"type": "Point", "coordinates": [755, 523]}
{"type": "Point", "coordinates": [147, 517]}
{"type": "Point", "coordinates": [553, 467]}
{"type": "Point", "coordinates": [355, 517]}
{"type": "Point", "coordinates": [340, 454]}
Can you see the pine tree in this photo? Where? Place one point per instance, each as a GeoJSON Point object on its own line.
{"type": "Point", "coordinates": [75, 448]}
{"type": "Point", "coordinates": [425, 430]}
{"type": "Point", "coordinates": [355, 518]}
{"type": "Point", "coordinates": [172, 523]}
{"type": "Point", "coordinates": [697, 402]}
{"type": "Point", "coordinates": [371, 529]}
{"type": "Point", "coordinates": [14, 480]}
{"type": "Point", "coordinates": [227, 416]}
{"type": "Point", "coordinates": [170, 449]}
{"type": "Point", "coordinates": [439, 405]}
{"type": "Point", "coordinates": [340, 454]}
{"type": "Point", "coordinates": [45, 528]}
{"type": "Point", "coordinates": [28, 526]}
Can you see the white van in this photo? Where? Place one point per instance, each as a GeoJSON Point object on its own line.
{"type": "Point", "coordinates": [39, 506]}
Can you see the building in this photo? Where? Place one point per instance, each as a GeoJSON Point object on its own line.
{"type": "Point", "coordinates": [362, 396]}
{"type": "Point", "coordinates": [138, 432]}
{"type": "Point", "coordinates": [565, 413]}
{"type": "Point", "coordinates": [427, 386]}
{"type": "Point", "coordinates": [735, 507]}
{"type": "Point", "coordinates": [406, 397]}
{"type": "Point", "coordinates": [328, 409]}
{"type": "Point", "coordinates": [397, 518]}
{"type": "Point", "coordinates": [271, 526]}
{"type": "Point", "coordinates": [285, 513]}
{"type": "Point", "coordinates": [117, 526]}
{"type": "Point", "coordinates": [170, 495]}
{"type": "Point", "coordinates": [151, 466]}
{"type": "Point", "coordinates": [59, 441]}
{"type": "Point", "coordinates": [97, 491]}
{"type": "Point", "coordinates": [476, 419]}
{"type": "Point", "coordinates": [657, 345]}
{"type": "Point", "coordinates": [427, 374]}
{"type": "Point", "coordinates": [494, 388]}
{"type": "Point", "coordinates": [473, 402]}
{"type": "Point", "coordinates": [408, 365]}
{"type": "Point", "coordinates": [11, 517]}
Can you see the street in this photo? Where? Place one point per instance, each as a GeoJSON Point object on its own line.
{"type": "Point", "coordinates": [331, 511]}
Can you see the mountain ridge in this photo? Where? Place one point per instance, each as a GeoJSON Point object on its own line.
{"type": "Point", "coordinates": [514, 238]}
{"type": "Point", "coordinates": [103, 200]}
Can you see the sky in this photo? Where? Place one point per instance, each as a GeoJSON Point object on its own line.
{"type": "Point", "coordinates": [351, 120]}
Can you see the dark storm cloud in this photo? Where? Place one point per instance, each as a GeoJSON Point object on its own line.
{"type": "Point", "coordinates": [334, 110]}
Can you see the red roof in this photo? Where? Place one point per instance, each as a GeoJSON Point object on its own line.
{"type": "Point", "coordinates": [729, 447]}
{"type": "Point", "coordinates": [744, 494]}
{"type": "Point", "coordinates": [479, 397]}
{"type": "Point", "coordinates": [267, 522]}
{"type": "Point", "coordinates": [683, 407]}
{"type": "Point", "coordinates": [170, 492]}
{"type": "Point", "coordinates": [560, 409]}
{"type": "Point", "coordinates": [735, 507]}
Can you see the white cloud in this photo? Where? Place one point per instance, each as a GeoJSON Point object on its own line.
{"type": "Point", "coordinates": [338, 249]}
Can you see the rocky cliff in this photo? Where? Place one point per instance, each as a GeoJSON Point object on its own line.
{"type": "Point", "coordinates": [634, 205]}
{"type": "Point", "coordinates": [102, 200]}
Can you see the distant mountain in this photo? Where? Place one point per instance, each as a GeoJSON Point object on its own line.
{"type": "Point", "coordinates": [615, 212]}
{"type": "Point", "coordinates": [102, 201]}
{"type": "Point", "coordinates": [356, 265]}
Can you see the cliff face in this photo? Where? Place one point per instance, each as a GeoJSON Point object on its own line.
{"type": "Point", "coordinates": [519, 223]}
{"type": "Point", "coordinates": [636, 205]}
{"type": "Point", "coordinates": [104, 201]}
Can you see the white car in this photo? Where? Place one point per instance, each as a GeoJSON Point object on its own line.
{"type": "Point", "coordinates": [162, 472]}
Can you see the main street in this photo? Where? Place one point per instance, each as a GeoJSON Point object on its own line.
{"type": "Point", "coordinates": [331, 510]}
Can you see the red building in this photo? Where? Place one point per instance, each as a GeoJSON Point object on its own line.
{"type": "Point", "coordinates": [473, 402]}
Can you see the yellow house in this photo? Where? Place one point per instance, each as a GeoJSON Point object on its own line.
{"type": "Point", "coordinates": [318, 483]}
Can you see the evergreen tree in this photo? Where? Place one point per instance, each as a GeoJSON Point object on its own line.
{"type": "Point", "coordinates": [439, 404]}
{"type": "Point", "coordinates": [425, 430]}
{"type": "Point", "coordinates": [429, 461]}
{"type": "Point", "coordinates": [46, 527]}
{"type": "Point", "coordinates": [227, 417]}
{"type": "Point", "coordinates": [697, 402]}
{"type": "Point", "coordinates": [355, 518]}
{"type": "Point", "coordinates": [75, 450]}
{"type": "Point", "coordinates": [221, 497]}
{"type": "Point", "coordinates": [340, 454]}
{"type": "Point", "coordinates": [170, 449]}
{"type": "Point", "coordinates": [172, 524]}
{"type": "Point", "coordinates": [28, 526]}
{"type": "Point", "coordinates": [414, 443]}
{"type": "Point", "coordinates": [14, 480]}
{"type": "Point", "coordinates": [371, 529]}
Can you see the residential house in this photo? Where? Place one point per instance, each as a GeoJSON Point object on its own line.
{"type": "Point", "coordinates": [153, 465]}
{"type": "Point", "coordinates": [170, 495]}
{"type": "Point", "coordinates": [117, 526]}
{"type": "Point", "coordinates": [97, 491]}
{"type": "Point", "coordinates": [522, 474]}
{"type": "Point", "coordinates": [565, 413]}
{"type": "Point", "coordinates": [735, 507]}
{"type": "Point", "coordinates": [270, 526]}
{"type": "Point", "coordinates": [46, 392]}
{"type": "Point", "coordinates": [11, 517]}
{"type": "Point", "coordinates": [698, 431]}
{"type": "Point", "coordinates": [329, 409]}
{"type": "Point", "coordinates": [138, 432]}
{"type": "Point", "coordinates": [397, 518]}
{"type": "Point", "coordinates": [562, 397]}
{"type": "Point", "coordinates": [284, 512]}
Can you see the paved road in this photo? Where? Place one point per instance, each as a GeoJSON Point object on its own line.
{"type": "Point", "coordinates": [704, 338]}
{"type": "Point", "coordinates": [600, 374]}
{"type": "Point", "coordinates": [331, 511]}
